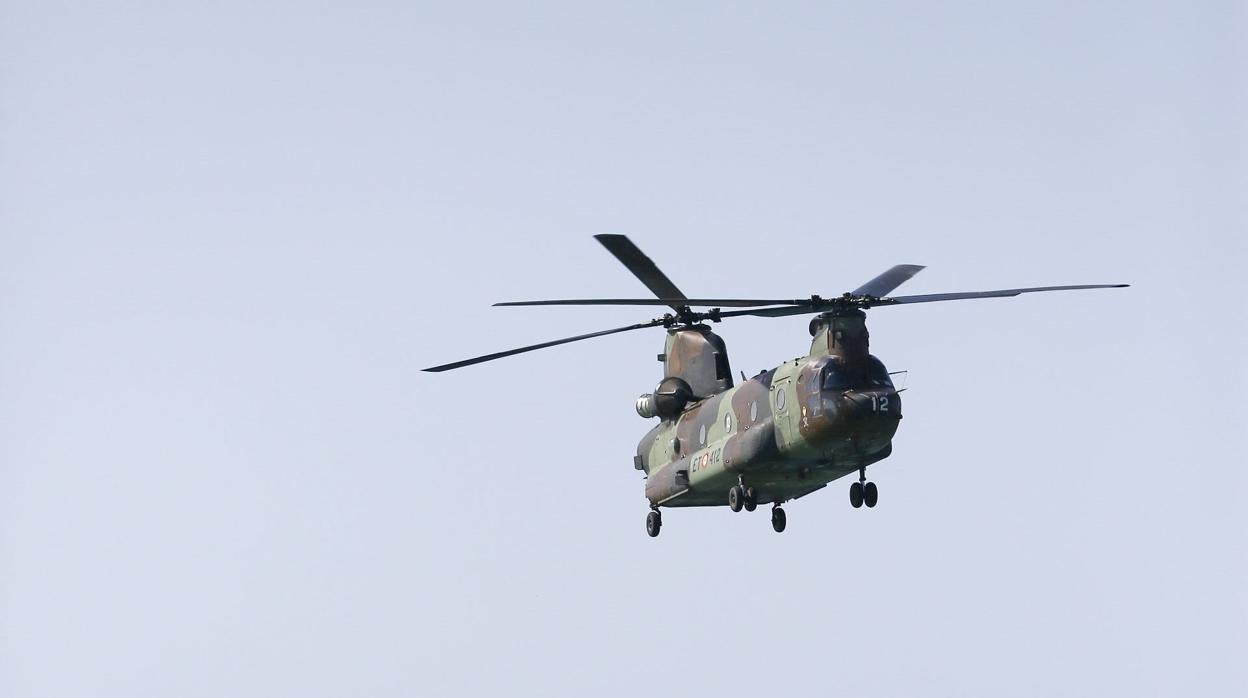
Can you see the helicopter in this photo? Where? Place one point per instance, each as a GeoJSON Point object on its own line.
{"type": "Point", "coordinates": [780, 435]}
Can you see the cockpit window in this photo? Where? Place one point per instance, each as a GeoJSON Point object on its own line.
{"type": "Point", "coordinates": [834, 378]}
{"type": "Point", "coordinates": [877, 374]}
{"type": "Point", "coordinates": [837, 378]}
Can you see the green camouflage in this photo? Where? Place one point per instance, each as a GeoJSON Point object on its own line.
{"type": "Point", "coordinates": [780, 432]}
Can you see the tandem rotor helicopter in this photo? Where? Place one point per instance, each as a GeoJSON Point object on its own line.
{"type": "Point", "coordinates": [785, 432]}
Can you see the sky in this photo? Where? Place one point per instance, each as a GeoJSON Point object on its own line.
{"type": "Point", "coordinates": [231, 235]}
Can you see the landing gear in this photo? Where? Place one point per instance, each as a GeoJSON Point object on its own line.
{"type": "Point", "coordinates": [777, 519]}
{"type": "Point", "coordinates": [742, 497]}
{"type": "Point", "coordinates": [750, 502]}
{"type": "Point", "coordinates": [863, 492]}
{"type": "Point", "coordinates": [654, 521]}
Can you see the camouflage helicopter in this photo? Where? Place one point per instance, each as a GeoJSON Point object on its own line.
{"type": "Point", "coordinates": [780, 435]}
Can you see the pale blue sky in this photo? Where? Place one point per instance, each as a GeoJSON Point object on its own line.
{"type": "Point", "coordinates": [231, 234]}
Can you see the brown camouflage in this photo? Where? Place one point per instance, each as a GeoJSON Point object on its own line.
{"type": "Point", "coordinates": [780, 432]}
{"type": "Point", "coordinates": [700, 357]}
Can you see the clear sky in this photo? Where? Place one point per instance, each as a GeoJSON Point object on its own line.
{"type": "Point", "coordinates": [232, 233]}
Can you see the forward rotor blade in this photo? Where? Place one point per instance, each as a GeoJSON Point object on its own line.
{"type": "Point", "coordinates": [641, 266]}
{"type": "Point", "coordinates": [691, 302]}
{"type": "Point", "coordinates": [1003, 293]}
{"type": "Point", "coordinates": [889, 280]}
{"type": "Point", "coordinates": [782, 311]}
{"type": "Point", "coordinates": [832, 303]}
{"type": "Point", "coordinates": [543, 345]}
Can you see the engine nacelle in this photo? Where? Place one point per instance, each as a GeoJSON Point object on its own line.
{"type": "Point", "coordinates": [667, 401]}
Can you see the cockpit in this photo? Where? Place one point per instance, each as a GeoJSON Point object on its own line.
{"type": "Point", "coordinates": [847, 393]}
{"type": "Point", "coordinates": [837, 377]}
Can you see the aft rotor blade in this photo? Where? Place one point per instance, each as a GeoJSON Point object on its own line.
{"type": "Point", "coordinates": [691, 302]}
{"type": "Point", "coordinates": [543, 345]}
{"type": "Point", "coordinates": [889, 280]}
{"type": "Point", "coordinates": [1003, 293]}
{"type": "Point", "coordinates": [641, 266]}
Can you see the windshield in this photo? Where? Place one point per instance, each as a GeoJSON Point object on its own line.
{"type": "Point", "coordinates": [834, 378]}
{"type": "Point", "coordinates": [877, 374]}
{"type": "Point", "coordinates": [837, 378]}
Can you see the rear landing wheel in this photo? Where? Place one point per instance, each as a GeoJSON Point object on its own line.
{"type": "Point", "coordinates": [870, 494]}
{"type": "Point", "coordinates": [654, 521]}
{"type": "Point", "coordinates": [736, 498]}
{"type": "Point", "coordinates": [856, 494]}
{"type": "Point", "coordinates": [778, 519]}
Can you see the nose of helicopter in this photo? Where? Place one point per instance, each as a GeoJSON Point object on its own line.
{"type": "Point", "coordinates": [876, 404]}
{"type": "Point", "coordinates": [867, 418]}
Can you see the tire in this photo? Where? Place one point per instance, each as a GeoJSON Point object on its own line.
{"type": "Point", "coordinates": [735, 498]}
{"type": "Point", "coordinates": [654, 522]}
{"type": "Point", "coordinates": [870, 494]}
{"type": "Point", "coordinates": [856, 494]}
{"type": "Point", "coordinates": [751, 501]}
{"type": "Point", "coordinates": [778, 520]}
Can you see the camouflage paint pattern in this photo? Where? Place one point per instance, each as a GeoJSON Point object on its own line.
{"type": "Point", "coordinates": [781, 432]}
{"type": "Point", "coordinates": [700, 358]}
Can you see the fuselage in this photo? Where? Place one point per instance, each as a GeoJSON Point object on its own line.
{"type": "Point", "coordinates": [785, 432]}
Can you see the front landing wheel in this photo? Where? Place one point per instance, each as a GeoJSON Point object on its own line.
{"type": "Point", "coordinates": [654, 521]}
{"type": "Point", "coordinates": [778, 520]}
{"type": "Point", "coordinates": [736, 498]}
{"type": "Point", "coordinates": [751, 501]}
{"type": "Point", "coordinates": [870, 494]}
